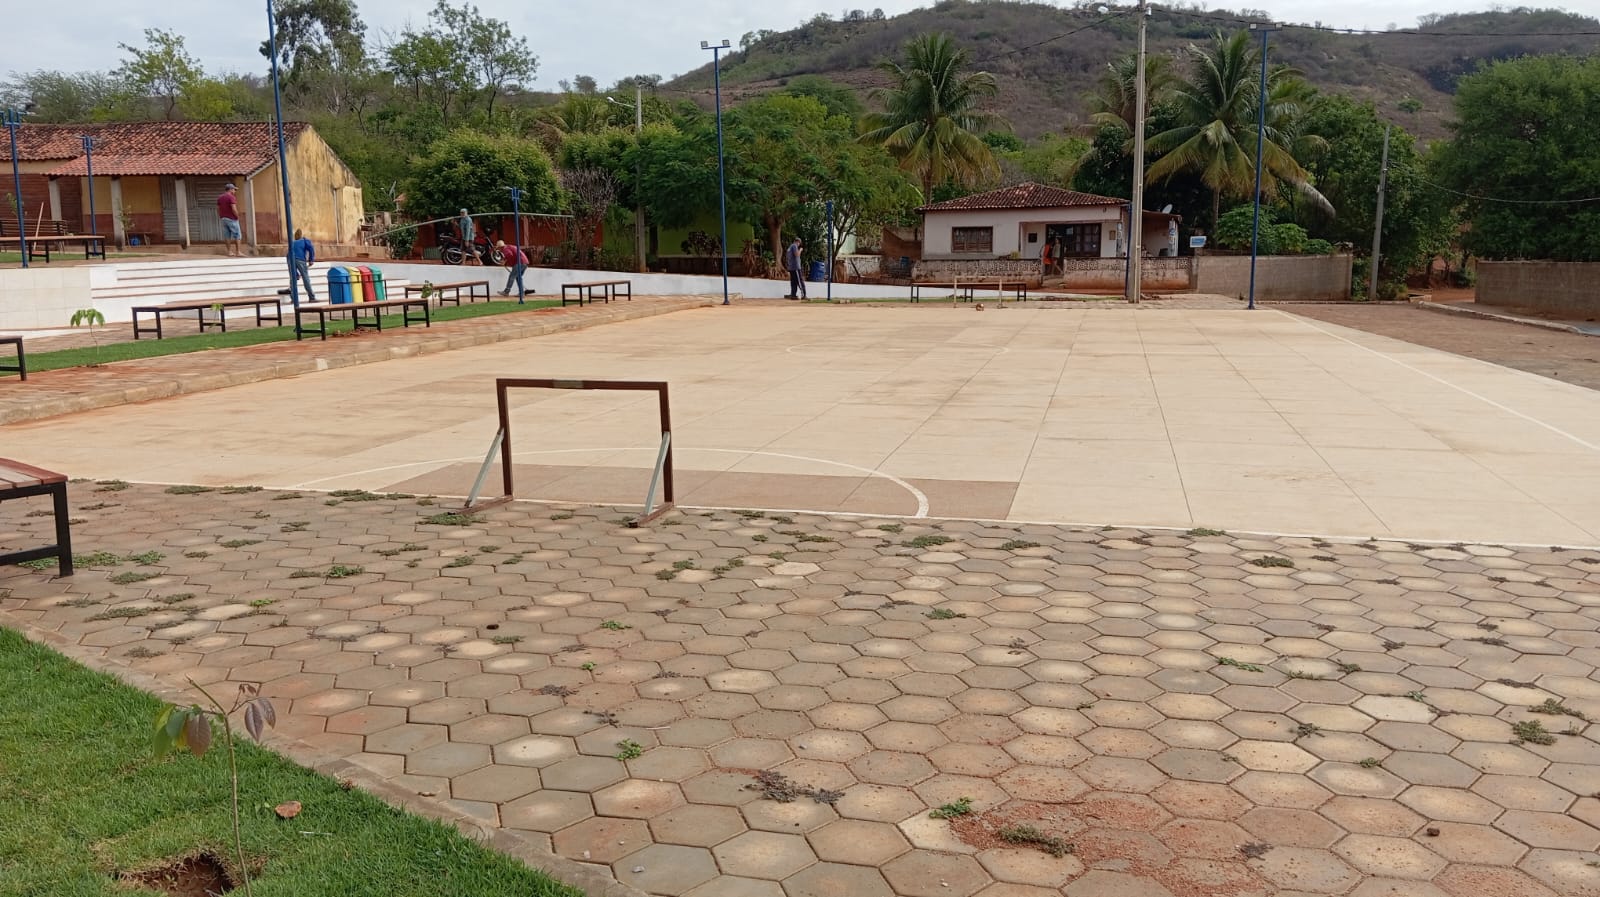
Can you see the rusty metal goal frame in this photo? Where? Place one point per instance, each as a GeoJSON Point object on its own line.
{"type": "Point", "coordinates": [660, 475]}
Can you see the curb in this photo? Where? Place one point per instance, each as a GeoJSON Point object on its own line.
{"type": "Point", "coordinates": [587, 878]}
{"type": "Point", "coordinates": [276, 369]}
{"type": "Point", "coordinates": [1509, 319]}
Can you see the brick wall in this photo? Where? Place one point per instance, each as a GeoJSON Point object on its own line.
{"type": "Point", "coordinates": [1571, 288]}
{"type": "Point", "coordinates": [1156, 274]}
{"type": "Point", "coordinates": [947, 269]}
{"type": "Point", "coordinates": [1280, 277]}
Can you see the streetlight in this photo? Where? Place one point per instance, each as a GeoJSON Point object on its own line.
{"type": "Point", "coordinates": [516, 218]}
{"type": "Point", "coordinates": [638, 199]}
{"type": "Point", "coordinates": [283, 161]}
{"type": "Point", "coordinates": [12, 119]}
{"type": "Point", "coordinates": [88, 158]}
{"type": "Point", "coordinates": [1261, 145]}
{"type": "Point", "coordinates": [722, 177]}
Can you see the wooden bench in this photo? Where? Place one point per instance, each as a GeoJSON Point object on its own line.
{"type": "Point", "coordinates": [471, 286]}
{"type": "Point", "coordinates": [18, 480]}
{"type": "Point", "coordinates": [585, 290]}
{"type": "Point", "coordinates": [323, 309]}
{"type": "Point", "coordinates": [201, 306]}
{"type": "Point", "coordinates": [21, 367]}
{"type": "Point", "coordinates": [968, 289]}
{"type": "Point", "coordinates": [44, 234]}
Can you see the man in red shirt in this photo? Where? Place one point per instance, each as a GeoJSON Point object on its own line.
{"type": "Point", "coordinates": [517, 262]}
{"type": "Point", "coordinates": [228, 211]}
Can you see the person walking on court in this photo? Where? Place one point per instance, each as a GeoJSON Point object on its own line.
{"type": "Point", "coordinates": [228, 213]}
{"type": "Point", "coordinates": [797, 280]}
{"type": "Point", "coordinates": [517, 262]}
{"type": "Point", "coordinates": [303, 255]}
{"type": "Point", "coordinates": [469, 239]}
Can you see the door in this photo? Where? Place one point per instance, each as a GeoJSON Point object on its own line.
{"type": "Point", "coordinates": [169, 210]}
{"type": "Point", "coordinates": [204, 226]}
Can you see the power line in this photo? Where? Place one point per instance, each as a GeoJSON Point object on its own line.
{"type": "Point", "coordinates": [1518, 202]}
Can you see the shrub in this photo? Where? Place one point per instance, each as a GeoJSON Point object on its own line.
{"type": "Point", "coordinates": [1319, 247]}
{"type": "Point", "coordinates": [1290, 239]}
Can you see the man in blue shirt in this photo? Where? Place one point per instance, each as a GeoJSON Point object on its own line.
{"type": "Point", "coordinates": [797, 279]}
{"type": "Point", "coordinates": [303, 254]}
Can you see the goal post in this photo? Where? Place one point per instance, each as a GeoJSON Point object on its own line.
{"type": "Point", "coordinates": [660, 474]}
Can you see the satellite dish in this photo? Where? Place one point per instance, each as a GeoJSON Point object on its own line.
{"type": "Point", "coordinates": [1166, 209]}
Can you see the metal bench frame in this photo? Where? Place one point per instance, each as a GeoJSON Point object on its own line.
{"type": "Point", "coordinates": [323, 309]}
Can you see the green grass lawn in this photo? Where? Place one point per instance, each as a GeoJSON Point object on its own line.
{"type": "Point", "coordinates": [73, 251]}
{"type": "Point", "coordinates": [81, 799]}
{"type": "Point", "coordinates": [244, 334]}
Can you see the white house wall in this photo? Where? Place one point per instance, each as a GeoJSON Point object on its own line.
{"type": "Point", "coordinates": [1012, 227]}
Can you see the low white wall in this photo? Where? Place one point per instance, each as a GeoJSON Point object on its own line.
{"type": "Point", "coordinates": [548, 281]}
{"type": "Point", "coordinates": [41, 296]}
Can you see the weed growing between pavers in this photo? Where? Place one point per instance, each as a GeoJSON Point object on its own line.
{"type": "Point", "coordinates": [188, 490]}
{"type": "Point", "coordinates": [1239, 665]}
{"type": "Point", "coordinates": [776, 786]}
{"type": "Point", "coordinates": [1553, 707]}
{"type": "Point", "coordinates": [450, 519]}
{"type": "Point", "coordinates": [958, 807]}
{"type": "Point", "coordinates": [628, 749]}
{"type": "Point", "coordinates": [1532, 732]}
{"type": "Point", "coordinates": [1032, 837]}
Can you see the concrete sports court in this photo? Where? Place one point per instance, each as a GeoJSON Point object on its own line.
{"type": "Point", "coordinates": [1246, 421]}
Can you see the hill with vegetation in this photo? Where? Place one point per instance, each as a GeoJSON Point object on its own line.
{"type": "Point", "coordinates": [1046, 58]}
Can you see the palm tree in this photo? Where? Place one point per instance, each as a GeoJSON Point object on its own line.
{"type": "Point", "coordinates": [1216, 109]}
{"type": "Point", "coordinates": [931, 123]}
{"type": "Point", "coordinates": [1113, 99]}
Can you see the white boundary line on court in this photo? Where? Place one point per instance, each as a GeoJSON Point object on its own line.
{"type": "Point", "coordinates": [1461, 389]}
{"type": "Point", "coordinates": [823, 347]}
{"type": "Point", "coordinates": [918, 494]}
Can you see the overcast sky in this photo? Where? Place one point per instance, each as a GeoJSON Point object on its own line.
{"type": "Point", "coordinates": [608, 39]}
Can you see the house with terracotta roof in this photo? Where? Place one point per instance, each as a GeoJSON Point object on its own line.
{"type": "Point", "coordinates": [1019, 220]}
{"type": "Point", "coordinates": [157, 182]}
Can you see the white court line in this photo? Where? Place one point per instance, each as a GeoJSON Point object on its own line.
{"type": "Point", "coordinates": [826, 347]}
{"type": "Point", "coordinates": [1458, 388]}
{"type": "Point", "coordinates": [918, 494]}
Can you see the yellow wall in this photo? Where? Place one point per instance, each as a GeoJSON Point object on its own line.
{"type": "Point", "coordinates": [327, 196]}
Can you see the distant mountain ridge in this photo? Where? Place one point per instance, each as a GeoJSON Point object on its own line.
{"type": "Point", "coordinates": [1047, 57]}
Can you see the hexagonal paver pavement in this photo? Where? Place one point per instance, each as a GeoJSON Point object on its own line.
{"type": "Point", "coordinates": [780, 717]}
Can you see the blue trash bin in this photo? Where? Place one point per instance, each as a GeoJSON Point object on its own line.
{"type": "Point", "coordinates": [339, 285]}
{"type": "Point", "coordinates": [819, 272]}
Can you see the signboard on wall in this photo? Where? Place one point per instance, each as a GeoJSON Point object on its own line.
{"type": "Point", "coordinates": [1197, 242]}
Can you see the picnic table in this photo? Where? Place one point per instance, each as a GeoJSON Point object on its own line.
{"type": "Point", "coordinates": [19, 480]}
{"type": "Point", "coordinates": [323, 309]}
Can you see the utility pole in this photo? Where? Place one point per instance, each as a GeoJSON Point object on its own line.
{"type": "Point", "coordinates": [722, 172]}
{"type": "Point", "coordinates": [1261, 145]}
{"type": "Point", "coordinates": [1377, 226]}
{"type": "Point", "coordinates": [1136, 208]}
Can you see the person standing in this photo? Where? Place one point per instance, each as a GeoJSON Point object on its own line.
{"type": "Point", "coordinates": [228, 213]}
{"type": "Point", "coordinates": [797, 280]}
{"type": "Point", "coordinates": [1045, 259]}
{"type": "Point", "coordinates": [469, 239]}
{"type": "Point", "coordinates": [517, 263]}
{"type": "Point", "coordinates": [303, 255]}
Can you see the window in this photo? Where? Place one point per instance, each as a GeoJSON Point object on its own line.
{"type": "Point", "coordinates": [1077, 240]}
{"type": "Point", "coordinates": [972, 239]}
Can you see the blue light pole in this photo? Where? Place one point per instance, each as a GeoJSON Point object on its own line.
{"type": "Point", "coordinates": [283, 159]}
{"type": "Point", "coordinates": [12, 119]}
{"type": "Point", "coordinates": [88, 158]}
{"type": "Point", "coordinates": [1261, 145]}
{"type": "Point", "coordinates": [830, 250]}
{"type": "Point", "coordinates": [722, 177]}
{"type": "Point", "coordinates": [516, 224]}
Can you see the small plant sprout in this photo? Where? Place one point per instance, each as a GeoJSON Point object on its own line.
{"type": "Point", "coordinates": [628, 749]}
{"type": "Point", "coordinates": [614, 626]}
{"type": "Point", "coordinates": [91, 318]}
{"type": "Point", "coordinates": [954, 809]}
{"type": "Point", "coordinates": [191, 728]}
{"type": "Point", "coordinates": [1238, 665]}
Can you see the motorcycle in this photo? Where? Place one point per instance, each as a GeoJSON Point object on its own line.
{"type": "Point", "coordinates": [451, 252]}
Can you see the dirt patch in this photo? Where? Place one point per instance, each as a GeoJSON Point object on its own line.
{"type": "Point", "coordinates": [983, 830]}
{"type": "Point", "coordinates": [1568, 357]}
{"type": "Point", "coordinates": [202, 875]}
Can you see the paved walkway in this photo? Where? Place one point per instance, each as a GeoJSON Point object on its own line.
{"type": "Point", "coordinates": [54, 393]}
{"type": "Point", "coordinates": [760, 705]}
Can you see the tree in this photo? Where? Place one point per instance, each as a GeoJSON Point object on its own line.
{"type": "Point", "coordinates": [1052, 159]}
{"type": "Point", "coordinates": [932, 118]}
{"type": "Point", "coordinates": [432, 67]}
{"type": "Point", "coordinates": [1524, 153]}
{"type": "Point", "coordinates": [1417, 219]}
{"type": "Point", "coordinates": [322, 44]}
{"type": "Point", "coordinates": [836, 98]}
{"type": "Point", "coordinates": [162, 70]}
{"type": "Point", "coordinates": [1114, 98]}
{"type": "Point", "coordinates": [779, 158]}
{"type": "Point", "coordinates": [470, 170]}
{"type": "Point", "coordinates": [59, 97]}
{"type": "Point", "coordinates": [677, 167]}
{"type": "Point", "coordinates": [589, 193]}
{"type": "Point", "coordinates": [1214, 132]}
{"type": "Point", "coordinates": [498, 59]}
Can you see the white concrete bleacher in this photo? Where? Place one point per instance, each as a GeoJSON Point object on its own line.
{"type": "Point", "coordinates": [116, 288]}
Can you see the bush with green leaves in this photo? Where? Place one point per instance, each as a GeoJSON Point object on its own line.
{"type": "Point", "coordinates": [1289, 238]}
{"type": "Point", "coordinates": [470, 170]}
{"type": "Point", "coordinates": [1235, 227]}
